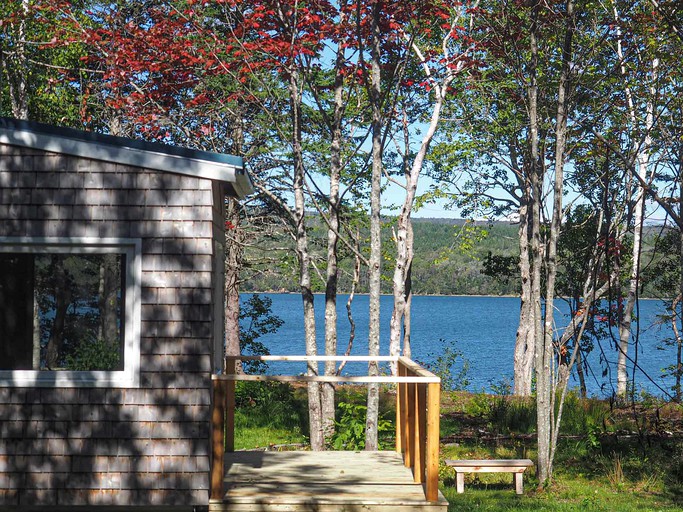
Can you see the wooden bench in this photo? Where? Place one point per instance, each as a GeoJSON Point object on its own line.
{"type": "Point", "coordinates": [516, 466]}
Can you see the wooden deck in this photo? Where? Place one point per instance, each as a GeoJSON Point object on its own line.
{"type": "Point", "coordinates": [321, 482]}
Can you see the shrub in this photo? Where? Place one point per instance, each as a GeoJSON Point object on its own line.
{"type": "Point", "coordinates": [94, 355]}
{"type": "Point", "coordinates": [350, 428]}
{"type": "Point", "coordinates": [450, 365]}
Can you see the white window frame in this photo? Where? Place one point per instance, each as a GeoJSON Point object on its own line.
{"type": "Point", "coordinates": [130, 375]}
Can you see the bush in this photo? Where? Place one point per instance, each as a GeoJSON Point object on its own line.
{"type": "Point", "coordinates": [350, 429]}
{"type": "Point", "coordinates": [513, 414]}
{"type": "Point", "coordinates": [94, 355]}
{"type": "Point", "coordinates": [271, 404]}
{"type": "Point", "coordinates": [450, 365]}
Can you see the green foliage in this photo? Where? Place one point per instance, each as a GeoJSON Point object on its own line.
{"type": "Point", "coordinates": [448, 258]}
{"type": "Point", "coordinates": [501, 387]}
{"type": "Point", "coordinates": [513, 414]}
{"type": "Point", "coordinates": [93, 355]}
{"type": "Point", "coordinates": [256, 320]}
{"type": "Point", "coordinates": [450, 365]}
{"type": "Point", "coordinates": [350, 428]}
{"type": "Point", "coordinates": [598, 472]}
{"type": "Point", "coordinates": [68, 286]}
{"type": "Point", "coordinates": [479, 405]}
{"type": "Point", "coordinates": [582, 415]}
{"type": "Point", "coordinates": [269, 407]}
{"type": "Point", "coordinates": [500, 266]}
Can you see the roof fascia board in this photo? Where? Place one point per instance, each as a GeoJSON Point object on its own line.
{"type": "Point", "coordinates": [150, 159]}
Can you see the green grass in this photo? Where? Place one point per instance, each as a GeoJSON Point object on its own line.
{"type": "Point", "coordinates": [248, 436]}
{"type": "Point", "coordinates": [583, 480]}
{"type": "Point", "coordinates": [595, 469]}
{"type": "Point", "coordinates": [269, 414]}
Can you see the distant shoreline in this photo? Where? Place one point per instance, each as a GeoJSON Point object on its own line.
{"type": "Point", "coordinates": [276, 292]}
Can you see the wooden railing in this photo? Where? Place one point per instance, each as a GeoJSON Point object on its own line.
{"type": "Point", "coordinates": [418, 398]}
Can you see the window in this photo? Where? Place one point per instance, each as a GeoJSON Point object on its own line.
{"type": "Point", "coordinates": [69, 312]}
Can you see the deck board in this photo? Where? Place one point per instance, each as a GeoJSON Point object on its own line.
{"type": "Point", "coordinates": [321, 481]}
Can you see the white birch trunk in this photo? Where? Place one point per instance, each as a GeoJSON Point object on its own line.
{"type": "Point", "coordinates": [15, 67]}
{"type": "Point", "coordinates": [314, 403]}
{"type": "Point", "coordinates": [403, 251]}
{"type": "Point", "coordinates": [642, 162]}
{"type": "Point", "coordinates": [374, 270]}
{"type": "Point", "coordinates": [327, 397]}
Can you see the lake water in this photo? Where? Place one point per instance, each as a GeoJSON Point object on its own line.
{"type": "Point", "coordinates": [482, 328]}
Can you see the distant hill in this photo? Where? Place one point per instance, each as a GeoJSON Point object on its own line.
{"type": "Point", "coordinates": [449, 256]}
{"type": "Point", "coordinates": [448, 260]}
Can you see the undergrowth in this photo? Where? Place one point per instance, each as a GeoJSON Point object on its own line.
{"type": "Point", "coordinates": [606, 460]}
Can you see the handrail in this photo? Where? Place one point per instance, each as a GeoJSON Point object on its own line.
{"type": "Point", "coordinates": [387, 359]}
{"type": "Point", "coordinates": [418, 399]}
{"type": "Point", "coordinates": [380, 379]}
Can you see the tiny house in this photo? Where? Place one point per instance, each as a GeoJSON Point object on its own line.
{"type": "Point", "coordinates": [111, 307]}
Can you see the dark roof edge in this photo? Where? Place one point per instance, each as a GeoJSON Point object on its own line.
{"type": "Point", "coordinates": [163, 157]}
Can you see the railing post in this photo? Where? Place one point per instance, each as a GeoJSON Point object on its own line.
{"type": "Point", "coordinates": [230, 366]}
{"type": "Point", "coordinates": [432, 462]}
{"type": "Point", "coordinates": [420, 433]}
{"type": "Point", "coordinates": [217, 439]}
{"type": "Point", "coordinates": [400, 411]}
{"type": "Point", "coordinates": [409, 434]}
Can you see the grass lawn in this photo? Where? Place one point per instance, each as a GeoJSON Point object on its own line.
{"type": "Point", "coordinates": [609, 460]}
{"type": "Point", "coordinates": [588, 482]}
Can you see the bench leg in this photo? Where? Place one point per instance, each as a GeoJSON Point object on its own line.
{"type": "Point", "coordinates": [519, 483]}
{"type": "Point", "coordinates": [460, 482]}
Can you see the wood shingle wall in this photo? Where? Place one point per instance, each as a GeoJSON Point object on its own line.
{"type": "Point", "coordinates": [134, 446]}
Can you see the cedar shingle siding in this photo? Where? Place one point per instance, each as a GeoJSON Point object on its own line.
{"type": "Point", "coordinates": [134, 446]}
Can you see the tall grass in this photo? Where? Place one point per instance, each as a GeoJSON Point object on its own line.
{"type": "Point", "coordinates": [269, 413]}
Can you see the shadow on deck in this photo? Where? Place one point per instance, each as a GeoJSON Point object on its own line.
{"type": "Point", "coordinates": [321, 482]}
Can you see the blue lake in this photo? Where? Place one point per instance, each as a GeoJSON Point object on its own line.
{"type": "Point", "coordinates": [482, 328]}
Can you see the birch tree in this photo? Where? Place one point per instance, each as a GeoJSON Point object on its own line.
{"type": "Point", "coordinates": [642, 157]}
{"type": "Point", "coordinates": [439, 71]}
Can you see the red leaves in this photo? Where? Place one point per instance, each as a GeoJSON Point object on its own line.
{"type": "Point", "coordinates": [171, 57]}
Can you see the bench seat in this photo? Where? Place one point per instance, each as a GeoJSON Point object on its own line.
{"type": "Point", "coordinates": [515, 466]}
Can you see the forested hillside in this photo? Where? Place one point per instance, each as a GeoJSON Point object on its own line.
{"type": "Point", "coordinates": [449, 256]}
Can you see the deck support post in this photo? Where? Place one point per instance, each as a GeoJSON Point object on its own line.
{"type": "Point", "coordinates": [420, 433]}
{"type": "Point", "coordinates": [230, 366]}
{"type": "Point", "coordinates": [400, 412]}
{"type": "Point", "coordinates": [432, 442]}
{"type": "Point", "coordinates": [217, 439]}
{"type": "Point", "coordinates": [418, 401]}
{"type": "Point", "coordinates": [409, 458]}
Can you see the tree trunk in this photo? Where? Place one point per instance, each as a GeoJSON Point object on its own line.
{"type": "Point", "coordinates": [547, 435]}
{"type": "Point", "coordinates": [679, 341]}
{"type": "Point", "coordinates": [374, 270]}
{"type": "Point", "coordinates": [542, 351]}
{"type": "Point", "coordinates": [407, 351]}
{"type": "Point", "coordinates": [525, 341]}
{"type": "Point", "coordinates": [314, 405]}
{"type": "Point", "coordinates": [233, 263]}
{"type": "Point", "coordinates": [328, 406]}
{"type": "Point", "coordinates": [110, 282]}
{"type": "Point", "coordinates": [352, 293]}
{"type": "Point", "coordinates": [62, 297]}
{"type": "Point", "coordinates": [583, 390]}
{"type": "Point", "coordinates": [642, 161]}
{"type": "Point", "coordinates": [403, 249]}
{"type": "Point", "coordinates": [15, 67]}
{"type": "Point", "coordinates": [36, 331]}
